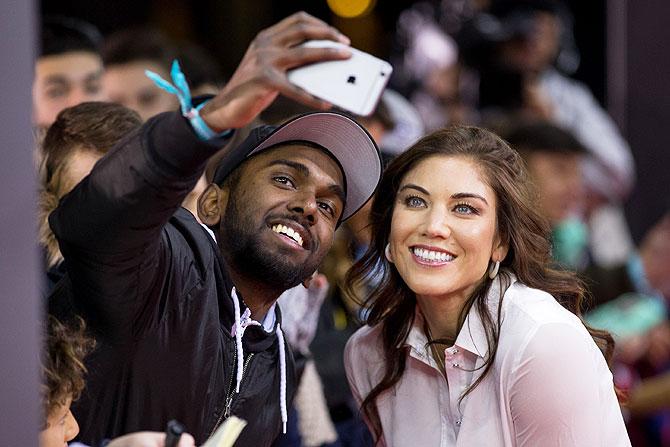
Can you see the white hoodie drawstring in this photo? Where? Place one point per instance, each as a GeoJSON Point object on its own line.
{"type": "Point", "coordinates": [282, 377]}
{"type": "Point", "coordinates": [237, 332]}
{"type": "Point", "coordinates": [241, 323]}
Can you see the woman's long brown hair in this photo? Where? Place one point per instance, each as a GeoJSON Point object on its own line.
{"type": "Point", "coordinates": [525, 231]}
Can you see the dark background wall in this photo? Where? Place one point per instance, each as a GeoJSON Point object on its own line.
{"type": "Point", "coordinates": [647, 111]}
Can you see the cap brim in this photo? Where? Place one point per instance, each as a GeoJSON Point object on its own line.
{"type": "Point", "coordinates": [347, 141]}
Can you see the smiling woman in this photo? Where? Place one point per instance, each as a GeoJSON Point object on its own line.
{"type": "Point", "coordinates": [470, 330]}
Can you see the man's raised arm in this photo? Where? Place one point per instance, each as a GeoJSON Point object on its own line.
{"type": "Point", "coordinates": [134, 190]}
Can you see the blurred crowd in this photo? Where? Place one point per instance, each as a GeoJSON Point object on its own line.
{"type": "Point", "coordinates": [505, 65]}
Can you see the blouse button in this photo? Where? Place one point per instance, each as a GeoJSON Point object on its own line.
{"type": "Point", "coordinates": [455, 365]}
{"type": "Point", "coordinates": [458, 422]}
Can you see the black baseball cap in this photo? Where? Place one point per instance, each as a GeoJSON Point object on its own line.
{"type": "Point", "coordinates": [343, 138]}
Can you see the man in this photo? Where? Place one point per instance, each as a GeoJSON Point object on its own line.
{"type": "Point", "coordinates": [68, 70]}
{"type": "Point", "coordinates": [126, 55]}
{"type": "Point", "coordinates": [187, 325]}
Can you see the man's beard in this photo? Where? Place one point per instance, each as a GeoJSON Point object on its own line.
{"type": "Point", "coordinates": [246, 253]}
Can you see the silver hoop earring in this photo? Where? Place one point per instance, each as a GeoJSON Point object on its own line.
{"type": "Point", "coordinates": [494, 271]}
{"type": "Point", "coordinates": [387, 253]}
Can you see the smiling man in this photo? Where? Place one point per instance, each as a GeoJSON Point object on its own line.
{"type": "Point", "coordinates": [187, 323]}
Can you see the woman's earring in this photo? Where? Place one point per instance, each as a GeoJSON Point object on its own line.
{"type": "Point", "coordinates": [387, 253]}
{"type": "Point", "coordinates": [494, 270]}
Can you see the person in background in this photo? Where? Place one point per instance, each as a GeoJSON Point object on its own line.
{"type": "Point", "coordinates": [456, 346]}
{"type": "Point", "coordinates": [126, 55]}
{"type": "Point", "coordinates": [63, 381]}
{"type": "Point", "coordinates": [535, 39]}
{"type": "Point", "coordinates": [73, 144]}
{"type": "Point", "coordinates": [554, 158]}
{"type": "Point", "coordinates": [68, 70]}
{"type": "Point", "coordinates": [203, 73]}
{"type": "Point", "coordinates": [430, 70]}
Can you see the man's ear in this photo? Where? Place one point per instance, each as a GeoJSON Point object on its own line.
{"type": "Point", "coordinates": [211, 204]}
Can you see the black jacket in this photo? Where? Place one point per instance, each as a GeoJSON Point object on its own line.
{"type": "Point", "coordinates": [153, 288]}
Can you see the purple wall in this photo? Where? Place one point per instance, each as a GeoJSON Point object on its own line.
{"type": "Point", "coordinates": [19, 290]}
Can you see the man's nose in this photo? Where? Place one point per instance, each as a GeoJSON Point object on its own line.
{"type": "Point", "coordinates": [305, 204]}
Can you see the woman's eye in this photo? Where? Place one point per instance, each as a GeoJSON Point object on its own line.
{"type": "Point", "coordinates": [463, 208]}
{"type": "Point", "coordinates": [414, 202]}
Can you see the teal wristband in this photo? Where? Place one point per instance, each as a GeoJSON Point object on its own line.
{"type": "Point", "coordinates": [183, 93]}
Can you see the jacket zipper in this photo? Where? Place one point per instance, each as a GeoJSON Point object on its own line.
{"type": "Point", "coordinates": [231, 391]}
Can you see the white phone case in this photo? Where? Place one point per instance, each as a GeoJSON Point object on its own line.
{"type": "Point", "coordinates": [353, 84]}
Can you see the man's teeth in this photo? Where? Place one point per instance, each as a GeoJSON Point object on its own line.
{"type": "Point", "coordinates": [283, 229]}
{"type": "Point", "coordinates": [430, 255]}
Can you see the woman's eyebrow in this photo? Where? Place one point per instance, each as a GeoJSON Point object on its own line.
{"type": "Point", "coordinates": [468, 195]}
{"type": "Point", "coordinates": [416, 187]}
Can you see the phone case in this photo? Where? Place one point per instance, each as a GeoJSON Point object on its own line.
{"type": "Point", "coordinates": [354, 84]}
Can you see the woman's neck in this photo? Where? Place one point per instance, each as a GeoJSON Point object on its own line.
{"type": "Point", "coordinates": [442, 313]}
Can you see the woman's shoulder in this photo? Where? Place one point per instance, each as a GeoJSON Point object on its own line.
{"type": "Point", "coordinates": [532, 318]}
{"type": "Point", "coordinates": [364, 359]}
{"type": "Point", "coordinates": [364, 342]}
{"type": "Point", "coordinates": [536, 307]}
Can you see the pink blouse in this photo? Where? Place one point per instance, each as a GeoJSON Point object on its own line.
{"type": "Point", "coordinates": [549, 384]}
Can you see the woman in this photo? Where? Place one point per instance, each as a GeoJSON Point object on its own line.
{"type": "Point", "coordinates": [472, 338]}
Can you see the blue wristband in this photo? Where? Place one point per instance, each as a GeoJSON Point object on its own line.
{"type": "Point", "coordinates": [183, 93]}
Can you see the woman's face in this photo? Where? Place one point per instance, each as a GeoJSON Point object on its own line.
{"type": "Point", "coordinates": [443, 229]}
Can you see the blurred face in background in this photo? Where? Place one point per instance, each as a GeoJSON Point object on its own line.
{"type": "Point", "coordinates": [535, 51]}
{"type": "Point", "coordinates": [127, 84]}
{"type": "Point", "coordinates": [65, 80]}
{"type": "Point", "coordinates": [558, 178]}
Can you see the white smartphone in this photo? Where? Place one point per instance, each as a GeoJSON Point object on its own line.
{"type": "Point", "coordinates": [353, 84]}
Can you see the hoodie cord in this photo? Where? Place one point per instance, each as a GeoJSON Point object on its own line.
{"type": "Point", "coordinates": [237, 330]}
{"type": "Point", "coordinates": [241, 323]}
{"type": "Point", "coordinates": [282, 377]}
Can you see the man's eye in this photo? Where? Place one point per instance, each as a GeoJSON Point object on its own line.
{"type": "Point", "coordinates": [283, 180]}
{"type": "Point", "coordinates": [147, 99]}
{"type": "Point", "coordinates": [327, 208]}
{"type": "Point", "coordinates": [93, 88]}
{"type": "Point", "coordinates": [56, 92]}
